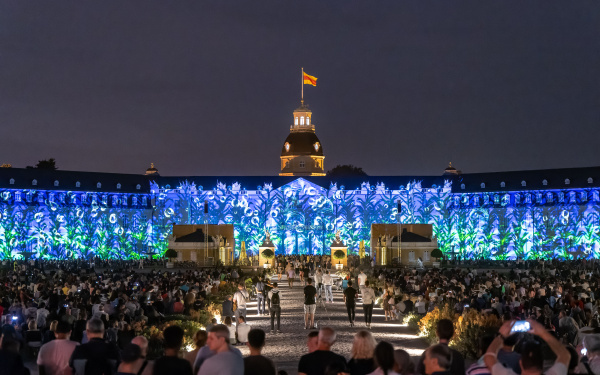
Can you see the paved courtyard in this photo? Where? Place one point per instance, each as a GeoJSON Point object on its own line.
{"type": "Point", "coordinates": [287, 347]}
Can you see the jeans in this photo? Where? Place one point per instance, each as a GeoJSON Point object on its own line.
{"type": "Point", "coordinates": [241, 311]}
{"type": "Point", "coordinates": [368, 310]}
{"type": "Point", "coordinates": [260, 302]}
{"type": "Point", "coordinates": [275, 310]}
{"type": "Point", "coordinates": [351, 312]}
{"type": "Point", "coordinates": [328, 293]}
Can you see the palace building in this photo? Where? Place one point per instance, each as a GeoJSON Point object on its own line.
{"type": "Point", "coordinates": [504, 215]}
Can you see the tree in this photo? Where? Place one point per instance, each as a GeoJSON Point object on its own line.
{"type": "Point", "coordinates": [437, 253]}
{"type": "Point", "coordinates": [170, 254]}
{"type": "Point", "coordinates": [268, 254]}
{"type": "Point", "coordinates": [47, 164]}
{"type": "Point", "coordinates": [339, 254]}
{"type": "Point", "coordinates": [345, 171]}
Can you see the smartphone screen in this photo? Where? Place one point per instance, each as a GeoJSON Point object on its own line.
{"type": "Point", "coordinates": [520, 326]}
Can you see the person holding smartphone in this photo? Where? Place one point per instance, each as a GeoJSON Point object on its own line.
{"type": "Point", "coordinates": [532, 360]}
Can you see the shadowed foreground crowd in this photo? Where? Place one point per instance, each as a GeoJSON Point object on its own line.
{"type": "Point", "coordinates": [89, 323]}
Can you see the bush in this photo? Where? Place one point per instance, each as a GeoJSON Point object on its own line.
{"type": "Point", "coordinates": [469, 327]}
{"type": "Point", "coordinates": [339, 254]}
{"type": "Point", "coordinates": [154, 334]}
{"type": "Point", "coordinates": [412, 321]}
{"type": "Point", "coordinates": [267, 254]}
{"type": "Point", "coordinates": [437, 253]}
{"type": "Point", "coordinates": [170, 254]}
{"type": "Point", "coordinates": [428, 325]}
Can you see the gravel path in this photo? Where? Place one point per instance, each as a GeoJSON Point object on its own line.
{"type": "Point", "coordinates": [287, 347]}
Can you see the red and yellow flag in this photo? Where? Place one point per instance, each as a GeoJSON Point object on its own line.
{"type": "Point", "coordinates": [309, 80]}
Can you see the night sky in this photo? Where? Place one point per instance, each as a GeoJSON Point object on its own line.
{"type": "Point", "coordinates": [208, 87]}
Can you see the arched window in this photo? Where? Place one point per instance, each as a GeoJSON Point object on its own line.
{"type": "Point", "coordinates": [301, 164]}
{"type": "Point", "coordinates": [56, 183]}
{"type": "Point", "coordinates": [308, 121]}
{"type": "Point", "coordinates": [34, 182]}
{"type": "Point", "coordinates": [12, 181]}
{"type": "Point", "coordinates": [502, 184]}
{"type": "Point", "coordinates": [545, 182]}
{"type": "Point", "coordinates": [483, 185]}
{"type": "Point", "coordinates": [138, 187]}
{"type": "Point", "coordinates": [296, 121]}
{"type": "Point", "coordinates": [462, 186]}
{"type": "Point", "coordinates": [301, 120]}
{"type": "Point", "coordinates": [567, 181]}
{"type": "Point", "coordinates": [98, 185]}
{"type": "Point", "coordinates": [590, 180]}
{"type": "Point", "coordinates": [523, 183]}
{"type": "Point", "coordinates": [118, 186]}
{"type": "Point", "coordinates": [78, 184]}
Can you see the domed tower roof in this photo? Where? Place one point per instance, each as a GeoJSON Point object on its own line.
{"type": "Point", "coordinates": [302, 143]}
{"type": "Point", "coordinates": [151, 170]}
{"type": "Point", "coordinates": [450, 170]}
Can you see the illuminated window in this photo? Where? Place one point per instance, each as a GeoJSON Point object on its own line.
{"type": "Point", "coordinates": [523, 183]}
{"type": "Point", "coordinates": [308, 121]}
{"type": "Point", "coordinates": [502, 184]}
{"type": "Point", "coordinates": [56, 183]}
{"type": "Point", "coordinates": [138, 187]}
{"type": "Point", "coordinates": [98, 185]}
{"type": "Point", "coordinates": [483, 185]}
{"type": "Point", "coordinates": [301, 120]}
{"type": "Point", "coordinates": [296, 120]}
{"type": "Point", "coordinates": [590, 180]}
{"type": "Point", "coordinates": [545, 182]}
{"type": "Point", "coordinates": [34, 182]}
{"type": "Point", "coordinates": [567, 181]}
{"type": "Point", "coordinates": [462, 186]}
{"type": "Point", "coordinates": [301, 164]}
{"type": "Point", "coordinates": [78, 184]}
{"type": "Point", "coordinates": [118, 186]}
{"type": "Point", "coordinates": [12, 181]}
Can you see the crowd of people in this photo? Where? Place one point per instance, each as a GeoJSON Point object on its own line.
{"type": "Point", "coordinates": [87, 317]}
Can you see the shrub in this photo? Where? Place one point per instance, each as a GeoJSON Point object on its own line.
{"type": "Point", "coordinates": [412, 321]}
{"type": "Point", "coordinates": [469, 327]}
{"type": "Point", "coordinates": [428, 325]}
{"type": "Point", "coordinates": [339, 254]}
{"type": "Point", "coordinates": [437, 253]}
{"type": "Point", "coordinates": [267, 254]}
{"type": "Point", "coordinates": [170, 254]}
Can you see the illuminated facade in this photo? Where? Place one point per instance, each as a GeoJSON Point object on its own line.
{"type": "Point", "coordinates": [529, 214]}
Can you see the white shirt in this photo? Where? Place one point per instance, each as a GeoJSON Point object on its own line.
{"type": "Point", "coordinates": [361, 279]}
{"type": "Point", "coordinates": [242, 332]}
{"type": "Point", "coordinates": [327, 279]}
{"type": "Point", "coordinates": [368, 296]}
{"type": "Point", "coordinates": [240, 298]}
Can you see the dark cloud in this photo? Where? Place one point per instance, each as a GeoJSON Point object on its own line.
{"type": "Point", "coordinates": [208, 87]}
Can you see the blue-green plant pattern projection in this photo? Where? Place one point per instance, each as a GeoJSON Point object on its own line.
{"type": "Point", "coordinates": [302, 218]}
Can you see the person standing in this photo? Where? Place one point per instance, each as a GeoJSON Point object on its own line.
{"type": "Point", "coordinates": [225, 360]}
{"type": "Point", "coordinates": [362, 277]}
{"type": "Point", "coordinates": [54, 356]}
{"type": "Point", "coordinates": [260, 296]}
{"type": "Point", "coordinates": [96, 354]}
{"type": "Point", "coordinates": [170, 363]}
{"type": "Point", "coordinates": [310, 304]}
{"type": "Point", "coordinates": [275, 308]}
{"type": "Point", "coordinates": [256, 363]}
{"type": "Point", "coordinates": [291, 276]}
{"type": "Point", "coordinates": [328, 284]}
{"type": "Point", "coordinates": [368, 297]}
{"type": "Point", "coordinates": [240, 298]}
{"type": "Point", "coordinates": [350, 295]}
{"type": "Point", "coordinates": [316, 362]}
{"type": "Point", "coordinates": [319, 280]}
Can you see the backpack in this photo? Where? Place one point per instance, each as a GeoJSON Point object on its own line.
{"type": "Point", "coordinates": [275, 299]}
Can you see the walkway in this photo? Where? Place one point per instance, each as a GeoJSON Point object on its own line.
{"type": "Point", "coordinates": [287, 347]}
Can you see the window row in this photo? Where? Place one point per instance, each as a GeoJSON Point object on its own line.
{"type": "Point", "coordinates": [77, 184]}
{"type": "Point", "coordinates": [300, 120]}
{"type": "Point", "coordinates": [524, 183]}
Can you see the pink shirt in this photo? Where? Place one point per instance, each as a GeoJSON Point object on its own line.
{"type": "Point", "coordinates": [54, 356]}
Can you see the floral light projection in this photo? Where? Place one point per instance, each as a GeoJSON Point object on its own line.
{"type": "Point", "coordinates": [302, 217]}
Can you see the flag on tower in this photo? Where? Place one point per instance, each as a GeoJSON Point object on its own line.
{"type": "Point", "coordinates": [309, 80]}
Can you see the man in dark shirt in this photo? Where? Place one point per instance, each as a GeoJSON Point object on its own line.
{"type": "Point", "coordinates": [444, 332]}
{"type": "Point", "coordinates": [227, 308]}
{"type": "Point", "coordinates": [255, 363]}
{"type": "Point", "coordinates": [310, 304]}
{"type": "Point", "coordinates": [170, 363]}
{"type": "Point", "coordinates": [350, 295]}
{"type": "Point", "coordinates": [316, 362]}
{"type": "Point", "coordinates": [95, 355]}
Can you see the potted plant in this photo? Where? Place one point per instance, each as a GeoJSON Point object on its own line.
{"type": "Point", "coordinates": [437, 254]}
{"type": "Point", "coordinates": [170, 254]}
{"type": "Point", "coordinates": [267, 254]}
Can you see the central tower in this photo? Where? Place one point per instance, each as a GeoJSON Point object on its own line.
{"type": "Point", "coordinates": [302, 153]}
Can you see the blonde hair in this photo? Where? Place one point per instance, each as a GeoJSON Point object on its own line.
{"type": "Point", "coordinates": [363, 345]}
{"type": "Point", "coordinates": [53, 325]}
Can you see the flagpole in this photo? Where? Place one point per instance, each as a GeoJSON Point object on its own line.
{"type": "Point", "coordinates": [302, 85]}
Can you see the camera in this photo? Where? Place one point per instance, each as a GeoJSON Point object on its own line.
{"type": "Point", "coordinates": [520, 326]}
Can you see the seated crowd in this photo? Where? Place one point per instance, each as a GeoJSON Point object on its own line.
{"type": "Point", "coordinates": [75, 320]}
